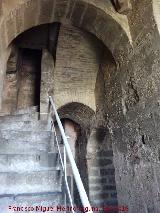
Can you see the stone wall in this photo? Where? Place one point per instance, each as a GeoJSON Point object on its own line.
{"type": "Point", "coordinates": [11, 83]}
{"type": "Point", "coordinates": [3, 66]}
{"type": "Point", "coordinates": [22, 80]}
{"type": "Point", "coordinates": [133, 109]}
{"type": "Point", "coordinates": [101, 171]}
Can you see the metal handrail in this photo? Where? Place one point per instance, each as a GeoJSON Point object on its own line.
{"type": "Point", "coordinates": [76, 174]}
{"type": "Point", "coordinates": [64, 167]}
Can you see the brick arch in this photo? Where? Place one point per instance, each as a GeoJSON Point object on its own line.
{"type": "Point", "coordinates": [107, 25]}
{"type": "Point", "coordinates": [77, 112]}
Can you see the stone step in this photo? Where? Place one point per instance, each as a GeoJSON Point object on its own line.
{"type": "Point", "coordinates": [24, 142]}
{"type": "Point", "coordinates": [30, 182]}
{"type": "Point", "coordinates": [18, 147]}
{"type": "Point", "coordinates": [22, 147]}
{"type": "Point", "coordinates": [25, 125]}
{"type": "Point", "coordinates": [29, 162]}
{"type": "Point", "coordinates": [14, 147]}
{"type": "Point", "coordinates": [28, 110]}
{"type": "Point", "coordinates": [19, 117]}
{"type": "Point", "coordinates": [25, 136]}
{"type": "Point", "coordinates": [45, 199]}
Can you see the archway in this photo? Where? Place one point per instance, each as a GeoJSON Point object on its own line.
{"type": "Point", "coordinates": [103, 23]}
{"type": "Point", "coordinates": [76, 119]}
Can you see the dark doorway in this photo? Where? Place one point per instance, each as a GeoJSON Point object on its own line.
{"type": "Point", "coordinates": [29, 78]}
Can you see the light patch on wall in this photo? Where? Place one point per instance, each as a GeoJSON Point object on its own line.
{"type": "Point", "coordinates": [156, 12]}
{"type": "Point", "coordinates": [124, 107]}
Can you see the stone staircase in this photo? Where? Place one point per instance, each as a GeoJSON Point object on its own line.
{"type": "Point", "coordinates": [30, 171]}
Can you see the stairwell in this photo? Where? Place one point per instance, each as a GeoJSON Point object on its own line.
{"type": "Point", "coordinates": [30, 170]}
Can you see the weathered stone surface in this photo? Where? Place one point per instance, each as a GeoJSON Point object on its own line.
{"type": "Point", "coordinates": [60, 8]}
{"type": "Point", "coordinates": [30, 16]}
{"type": "Point", "coordinates": [46, 12]}
{"type": "Point", "coordinates": [100, 166]}
{"type": "Point", "coordinates": [10, 26]}
{"type": "Point", "coordinates": [123, 6]}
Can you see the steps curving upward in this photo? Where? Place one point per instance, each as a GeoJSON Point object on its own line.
{"type": "Point", "coordinates": [30, 171]}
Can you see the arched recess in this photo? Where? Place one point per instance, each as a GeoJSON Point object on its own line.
{"type": "Point", "coordinates": [96, 17]}
{"type": "Point", "coordinates": [77, 118]}
{"type": "Point", "coordinates": [93, 154]}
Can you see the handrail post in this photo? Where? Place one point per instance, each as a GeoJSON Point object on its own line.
{"type": "Point", "coordinates": [76, 174]}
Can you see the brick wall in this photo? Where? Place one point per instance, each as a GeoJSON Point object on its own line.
{"type": "Point", "coordinates": [101, 171]}
{"type": "Point", "coordinates": [77, 64]}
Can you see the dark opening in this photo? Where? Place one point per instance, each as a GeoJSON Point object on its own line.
{"type": "Point", "coordinates": [143, 139]}
{"type": "Point", "coordinates": [29, 78]}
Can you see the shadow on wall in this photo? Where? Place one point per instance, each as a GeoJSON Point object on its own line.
{"type": "Point", "coordinates": [81, 160]}
{"type": "Point", "coordinates": [22, 82]}
{"type": "Point", "coordinates": [102, 185]}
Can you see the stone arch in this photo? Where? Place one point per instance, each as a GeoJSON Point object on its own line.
{"type": "Point", "coordinates": [79, 113]}
{"type": "Point", "coordinates": [90, 156]}
{"type": "Point", "coordinates": [82, 116]}
{"type": "Point", "coordinates": [96, 18]}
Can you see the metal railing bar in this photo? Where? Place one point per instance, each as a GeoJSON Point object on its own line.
{"type": "Point", "coordinates": [66, 181]}
{"type": "Point", "coordinates": [59, 151]}
{"type": "Point", "coordinates": [63, 167]}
